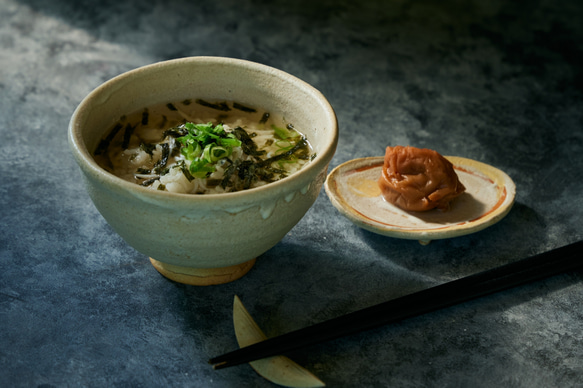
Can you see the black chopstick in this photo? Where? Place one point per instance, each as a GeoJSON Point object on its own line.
{"type": "Point", "coordinates": [448, 294]}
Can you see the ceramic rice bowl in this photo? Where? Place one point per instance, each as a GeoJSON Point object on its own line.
{"type": "Point", "coordinates": [210, 238]}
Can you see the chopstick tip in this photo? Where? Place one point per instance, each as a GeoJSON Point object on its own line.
{"type": "Point", "coordinates": [220, 365]}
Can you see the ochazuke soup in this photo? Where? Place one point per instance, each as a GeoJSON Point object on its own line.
{"type": "Point", "coordinates": [201, 147]}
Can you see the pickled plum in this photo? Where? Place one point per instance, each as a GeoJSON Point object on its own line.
{"type": "Point", "coordinates": [418, 179]}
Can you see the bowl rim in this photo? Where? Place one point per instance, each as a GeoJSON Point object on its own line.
{"type": "Point", "coordinates": [89, 165]}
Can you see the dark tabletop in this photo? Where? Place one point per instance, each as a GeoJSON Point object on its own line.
{"type": "Point", "coordinates": [496, 81]}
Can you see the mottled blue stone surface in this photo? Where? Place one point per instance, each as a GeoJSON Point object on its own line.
{"type": "Point", "coordinates": [496, 81]}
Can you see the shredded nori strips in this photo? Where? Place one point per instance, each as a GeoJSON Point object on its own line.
{"type": "Point", "coordinates": [213, 182]}
{"type": "Point", "coordinates": [246, 172]}
{"type": "Point", "coordinates": [228, 173]}
{"type": "Point", "coordinates": [148, 148]}
{"type": "Point", "coordinates": [127, 135]}
{"type": "Point", "coordinates": [241, 175]}
{"type": "Point", "coordinates": [104, 143]}
{"type": "Point", "coordinates": [145, 116]}
{"type": "Point", "coordinates": [264, 118]}
{"type": "Point", "coordinates": [222, 106]}
{"type": "Point", "coordinates": [175, 151]}
{"type": "Point", "coordinates": [148, 182]}
{"type": "Point", "coordinates": [300, 149]}
{"type": "Point", "coordinates": [237, 175]}
{"type": "Point", "coordinates": [142, 170]}
{"type": "Point", "coordinates": [161, 164]}
{"type": "Point", "coordinates": [243, 108]}
{"type": "Point", "coordinates": [175, 132]}
{"type": "Point", "coordinates": [163, 122]}
{"type": "Point", "coordinates": [247, 144]}
{"type": "Point", "coordinates": [101, 148]}
{"type": "Point", "coordinates": [182, 165]}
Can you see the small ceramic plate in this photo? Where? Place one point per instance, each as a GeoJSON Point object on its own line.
{"type": "Point", "coordinates": [352, 188]}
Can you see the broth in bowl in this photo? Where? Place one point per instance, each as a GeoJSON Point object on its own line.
{"type": "Point", "coordinates": [202, 147]}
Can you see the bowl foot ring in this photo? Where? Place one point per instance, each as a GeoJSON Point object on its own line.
{"type": "Point", "coordinates": [202, 276]}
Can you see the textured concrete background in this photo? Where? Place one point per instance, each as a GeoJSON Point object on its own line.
{"type": "Point", "coordinates": [498, 81]}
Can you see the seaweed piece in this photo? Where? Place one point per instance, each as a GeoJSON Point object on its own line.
{"type": "Point", "coordinates": [246, 172]}
{"type": "Point", "coordinates": [142, 170]}
{"type": "Point", "coordinates": [149, 182]}
{"type": "Point", "coordinates": [175, 151]}
{"type": "Point", "coordinates": [175, 132]}
{"type": "Point", "coordinates": [171, 106]}
{"type": "Point", "coordinates": [145, 116]}
{"type": "Point", "coordinates": [187, 102]}
{"type": "Point", "coordinates": [228, 173]}
{"type": "Point", "coordinates": [148, 148]}
{"type": "Point", "coordinates": [218, 106]}
{"type": "Point", "coordinates": [264, 118]}
{"type": "Point", "coordinates": [127, 135]}
{"type": "Point", "coordinates": [104, 143]}
{"type": "Point", "coordinates": [300, 147]}
{"type": "Point", "coordinates": [242, 175]}
{"type": "Point", "coordinates": [266, 175]}
{"type": "Point", "coordinates": [184, 168]}
{"type": "Point", "coordinates": [163, 122]}
{"type": "Point", "coordinates": [101, 147]}
{"type": "Point", "coordinates": [161, 164]}
{"type": "Point", "coordinates": [247, 143]}
{"type": "Point", "coordinates": [243, 108]}
{"type": "Point", "coordinates": [213, 182]}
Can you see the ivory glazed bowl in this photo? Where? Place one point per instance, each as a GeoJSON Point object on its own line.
{"type": "Point", "coordinates": [211, 238]}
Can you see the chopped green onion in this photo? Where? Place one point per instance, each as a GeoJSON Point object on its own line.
{"type": "Point", "coordinates": [191, 151]}
{"type": "Point", "coordinates": [201, 168]}
{"type": "Point", "coordinates": [284, 133]}
{"type": "Point", "coordinates": [213, 153]}
{"type": "Point", "coordinates": [204, 145]}
{"type": "Point", "coordinates": [229, 141]}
